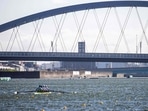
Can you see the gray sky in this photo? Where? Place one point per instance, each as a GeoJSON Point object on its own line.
{"type": "Point", "coordinates": [13, 9]}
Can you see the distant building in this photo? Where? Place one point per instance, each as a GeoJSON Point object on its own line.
{"type": "Point", "coordinates": [81, 47]}
{"type": "Point", "coordinates": [30, 66]}
{"type": "Point", "coordinates": [79, 65]}
{"type": "Point", "coordinates": [51, 66]}
{"type": "Point", "coordinates": [104, 65]}
{"type": "Point", "coordinates": [21, 66]}
{"type": "Point", "coordinates": [119, 64]}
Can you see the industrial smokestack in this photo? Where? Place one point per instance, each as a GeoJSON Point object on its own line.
{"type": "Point", "coordinates": [52, 46]}
{"type": "Point", "coordinates": [140, 47]}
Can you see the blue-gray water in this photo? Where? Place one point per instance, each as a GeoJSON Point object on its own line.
{"type": "Point", "coordinates": [90, 95]}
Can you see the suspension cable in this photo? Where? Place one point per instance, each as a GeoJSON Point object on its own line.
{"type": "Point", "coordinates": [15, 38]}
{"type": "Point", "coordinates": [36, 25]}
{"type": "Point", "coordinates": [81, 26]}
{"type": "Point", "coordinates": [32, 39]}
{"type": "Point", "coordinates": [77, 25]}
{"type": "Point", "coordinates": [142, 35]}
{"type": "Point", "coordinates": [77, 32]}
{"type": "Point", "coordinates": [58, 30]}
{"type": "Point", "coordinates": [122, 33]}
{"type": "Point", "coordinates": [1, 46]}
{"type": "Point", "coordinates": [123, 29]}
{"type": "Point", "coordinates": [59, 33]}
{"type": "Point", "coordinates": [59, 27]}
{"type": "Point", "coordinates": [100, 34]}
{"type": "Point", "coordinates": [12, 42]}
{"type": "Point", "coordinates": [100, 31]}
{"type": "Point", "coordinates": [39, 36]}
{"type": "Point", "coordinates": [19, 37]}
{"type": "Point", "coordinates": [10, 39]}
{"type": "Point", "coordinates": [143, 30]}
{"type": "Point", "coordinates": [37, 28]}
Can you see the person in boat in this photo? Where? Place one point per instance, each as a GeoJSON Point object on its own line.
{"type": "Point", "coordinates": [42, 88]}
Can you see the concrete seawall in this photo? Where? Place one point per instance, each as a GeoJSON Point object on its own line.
{"type": "Point", "coordinates": [24, 74]}
{"type": "Point", "coordinates": [73, 74]}
{"type": "Point", "coordinates": [55, 74]}
{"type": "Point", "coordinates": [66, 74]}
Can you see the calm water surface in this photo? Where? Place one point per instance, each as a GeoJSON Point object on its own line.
{"type": "Point", "coordinates": [84, 95]}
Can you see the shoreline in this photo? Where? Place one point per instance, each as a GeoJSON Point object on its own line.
{"type": "Point", "coordinates": [69, 75]}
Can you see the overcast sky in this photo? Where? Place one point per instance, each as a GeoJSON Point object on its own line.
{"type": "Point", "coordinates": [13, 9]}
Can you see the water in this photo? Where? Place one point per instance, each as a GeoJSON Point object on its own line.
{"type": "Point", "coordinates": [110, 94]}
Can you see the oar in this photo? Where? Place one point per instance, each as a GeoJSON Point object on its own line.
{"type": "Point", "coordinates": [17, 92]}
{"type": "Point", "coordinates": [58, 91]}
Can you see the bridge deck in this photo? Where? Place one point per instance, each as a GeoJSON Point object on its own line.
{"type": "Point", "coordinates": [68, 56]}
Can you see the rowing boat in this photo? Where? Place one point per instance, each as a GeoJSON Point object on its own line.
{"type": "Point", "coordinates": [36, 93]}
{"type": "Point", "coordinates": [42, 89]}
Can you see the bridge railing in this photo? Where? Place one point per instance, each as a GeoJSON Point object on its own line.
{"type": "Point", "coordinates": [60, 56]}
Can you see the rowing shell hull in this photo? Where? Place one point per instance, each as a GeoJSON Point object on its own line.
{"type": "Point", "coordinates": [42, 93]}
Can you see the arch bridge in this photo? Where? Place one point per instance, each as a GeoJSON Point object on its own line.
{"type": "Point", "coordinates": [54, 55]}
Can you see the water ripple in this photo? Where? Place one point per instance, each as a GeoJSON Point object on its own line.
{"type": "Point", "coordinates": [85, 95]}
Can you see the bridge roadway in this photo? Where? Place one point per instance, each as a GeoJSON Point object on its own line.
{"type": "Point", "coordinates": [68, 56]}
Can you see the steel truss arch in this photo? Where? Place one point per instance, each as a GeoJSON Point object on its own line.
{"type": "Point", "coordinates": [68, 9]}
